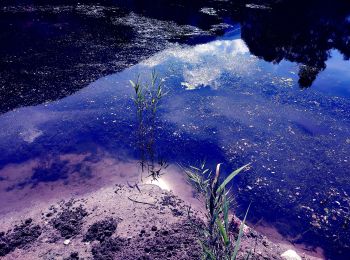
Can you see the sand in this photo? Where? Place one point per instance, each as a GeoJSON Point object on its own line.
{"type": "Point", "coordinates": [107, 217]}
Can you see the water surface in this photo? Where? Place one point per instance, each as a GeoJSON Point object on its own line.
{"type": "Point", "coordinates": [236, 99]}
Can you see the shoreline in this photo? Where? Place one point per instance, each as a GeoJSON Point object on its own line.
{"type": "Point", "coordinates": [163, 205]}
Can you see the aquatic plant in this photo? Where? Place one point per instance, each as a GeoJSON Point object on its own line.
{"type": "Point", "coordinates": [218, 240]}
{"type": "Point", "coordinates": [147, 98]}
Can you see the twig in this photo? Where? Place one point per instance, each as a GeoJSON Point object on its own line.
{"type": "Point", "coordinates": [141, 202]}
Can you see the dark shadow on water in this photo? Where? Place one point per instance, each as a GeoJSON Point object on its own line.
{"type": "Point", "coordinates": [299, 31]}
{"type": "Point", "coordinates": [52, 169]}
{"type": "Point", "coordinates": [49, 51]}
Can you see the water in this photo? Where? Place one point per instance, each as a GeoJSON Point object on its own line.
{"type": "Point", "coordinates": [51, 51]}
{"type": "Point", "coordinates": [237, 99]}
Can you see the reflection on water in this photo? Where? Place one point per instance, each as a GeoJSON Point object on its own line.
{"type": "Point", "coordinates": [52, 49]}
{"type": "Point", "coordinates": [299, 31]}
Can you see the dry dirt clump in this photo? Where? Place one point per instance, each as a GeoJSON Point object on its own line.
{"type": "Point", "coordinates": [107, 249]}
{"type": "Point", "coordinates": [73, 256]}
{"type": "Point", "coordinates": [175, 204]}
{"type": "Point", "coordinates": [70, 220]}
{"type": "Point", "coordinates": [178, 241]}
{"type": "Point", "coordinates": [101, 230]}
{"type": "Point", "coordinates": [19, 237]}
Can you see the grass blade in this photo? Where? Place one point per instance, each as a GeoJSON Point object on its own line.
{"type": "Point", "coordinates": [230, 177]}
{"type": "Point", "coordinates": [240, 234]}
{"type": "Point", "coordinates": [223, 232]}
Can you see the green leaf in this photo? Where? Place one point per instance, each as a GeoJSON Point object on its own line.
{"type": "Point", "coordinates": [230, 177]}
{"type": "Point", "coordinates": [225, 211]}
{"type": "Point", "coordinates": [240, 234]}
{"type": "Point", "coordinates": [216, 178]}
{"type": "Point", "coordinates": [208, 253]}
{"type": "Point", "coordinates": [223, 232]}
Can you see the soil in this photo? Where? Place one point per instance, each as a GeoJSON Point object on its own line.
{"type": "Point", "coordinates": [19, 237]}
{"type": "Point", "coordinates": [101, 230]}
{"type": "Point", "coordinates": [117, 222]}
{"type": "Point", "coordinates": [69, 221]}
{"type": "Point", "coordinates": [73, 256]}
{"type": "Point", "coordinates": [107, 248]}
{"type": "Point", "coordinates": [179, 241]}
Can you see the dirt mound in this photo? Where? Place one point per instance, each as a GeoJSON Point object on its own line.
{"type": "Point", "coordinates": [108, 225]}
{"type": "Point", "coordinates": [70, 220]}
{"type": "Point", "coordinates": [173, 202]}
{"type": "Point", "coordinates": [19, 237]}
{"type": "Point", "coordinates": [179, 241]}
{"type": "Point", "coordinates": [101, 230]}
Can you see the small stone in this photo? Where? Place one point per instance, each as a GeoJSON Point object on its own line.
{"type": "Point", "coordinates": [290, 255]}
{"type": "Point", "coordinates": [66, 242]}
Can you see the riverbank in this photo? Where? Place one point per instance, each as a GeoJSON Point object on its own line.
{"type": "Point", "coordinates": [118, 222]}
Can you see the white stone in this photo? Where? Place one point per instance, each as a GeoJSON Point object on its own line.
{"type": "Point", "coordinates": [290, 255]}
{"type": "Point", "coordinates": [66, 242]}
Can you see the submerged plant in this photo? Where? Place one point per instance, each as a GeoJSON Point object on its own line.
{"type": "Point", "coordinates": [218, 242]}
{"type": "Point", "coordinates": [147, 98]}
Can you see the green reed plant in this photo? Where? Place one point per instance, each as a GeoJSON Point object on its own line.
{"type": "Point", "coordinates": [147, 100]}
{"type": "Point", "coordinates": [218, 241]}
{"type": "Point", "coordinates": [149, 94]}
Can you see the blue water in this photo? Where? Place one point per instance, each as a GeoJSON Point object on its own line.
{"type": "Point", "coordinates": [223, 105]}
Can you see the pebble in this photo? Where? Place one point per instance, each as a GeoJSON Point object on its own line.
{"type": "Point", "coordinates": [66, 242]}
{"type": "Point", "coordinates": [290, 255]}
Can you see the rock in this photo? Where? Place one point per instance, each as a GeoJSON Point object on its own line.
{"type": "Point", "coordinates": [290, 255]}
{"type": "Point", "coordinates": [66, 242]}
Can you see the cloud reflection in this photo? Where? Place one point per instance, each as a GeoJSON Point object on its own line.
{"type": "Point", "coordinates": [204, 64]}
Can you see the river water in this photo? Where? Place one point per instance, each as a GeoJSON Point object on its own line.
{"type": "Point", "coordinates": [246, 96]}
